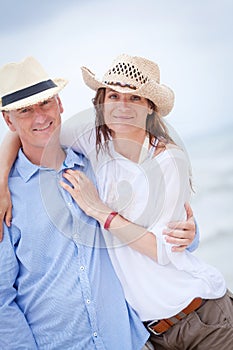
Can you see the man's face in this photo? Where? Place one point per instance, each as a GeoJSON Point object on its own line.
{"type": "Point", "coordinates": [36, 124]}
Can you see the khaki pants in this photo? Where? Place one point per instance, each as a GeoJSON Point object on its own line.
{"type": "Point", "coordinates": [148, 346]}
{"type": "Point", "coordinates": [208, 328]}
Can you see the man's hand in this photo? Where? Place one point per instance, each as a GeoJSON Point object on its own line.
{"type": "Point", "coordinates": [181, 233]}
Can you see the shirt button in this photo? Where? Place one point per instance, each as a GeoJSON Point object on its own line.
{"type": "Point", "coordinates": [88, 301]}
{"type": "Point", "coordinates": [69, 204]}
{"type": "Point", "coordinates": [95, 334]}
{"type": "Point", "coordinates": [75, 236]}
{"type": "Point", "coordinates": [82, 268]}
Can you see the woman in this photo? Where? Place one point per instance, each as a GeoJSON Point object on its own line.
{"type": "Point", "coordinates": [143, 177]}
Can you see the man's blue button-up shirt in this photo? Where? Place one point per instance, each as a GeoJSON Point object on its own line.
{"type": "Point", "coordinates": [58, 289]}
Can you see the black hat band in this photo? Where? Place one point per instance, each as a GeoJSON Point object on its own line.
{"type": "Point", "coordinates": [27, 92]}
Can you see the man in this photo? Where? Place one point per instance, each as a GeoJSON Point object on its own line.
{"type": "Point", "coordinates": [58, 290]}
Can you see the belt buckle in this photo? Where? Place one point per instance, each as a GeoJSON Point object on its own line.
{"type": "Point", "coordinates": [151, 329]}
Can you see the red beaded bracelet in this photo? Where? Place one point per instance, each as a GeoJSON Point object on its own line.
{"type": "Point", "coordinates": [109, 219]}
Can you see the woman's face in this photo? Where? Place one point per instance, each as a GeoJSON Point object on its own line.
{"type": "Point", "coordinates": [125, 113]}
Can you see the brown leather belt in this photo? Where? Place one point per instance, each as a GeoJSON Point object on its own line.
{"type": "Point", "coordinates": [158, 327]}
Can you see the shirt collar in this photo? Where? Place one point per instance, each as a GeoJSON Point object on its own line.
{"type": "Point", "coordinates": [72, 159]}
{"type": "Point", "coordinates": [26, 169]}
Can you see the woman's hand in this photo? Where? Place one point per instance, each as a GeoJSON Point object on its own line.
{"type": "Point", "coordinates": [5, 208]}
{"type": "Point", "coordinates": [181, 233]}
{"type": "Point", "coordinates": [85, 194]}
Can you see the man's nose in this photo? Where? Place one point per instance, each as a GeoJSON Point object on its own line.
{"type": "Point", "coordinates": [38, 113]}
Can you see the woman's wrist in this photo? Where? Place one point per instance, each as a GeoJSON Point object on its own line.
{"type": "Point", "coordinates": [100, 212]}
{"type": "Point", "coordinates": [4, 174]}
{"type": "Point", "coordinates": [3, 181]}
{"type": "Point", "coordinates": [109, 219]}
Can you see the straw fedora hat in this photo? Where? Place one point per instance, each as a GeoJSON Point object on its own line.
{"type": "Point", "coordinates": [137, 75]}
{"type": "Point", "coordinates": [26, 83]}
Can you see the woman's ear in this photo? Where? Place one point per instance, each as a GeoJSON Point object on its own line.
{"type": "Point", "coordinates": [151, 107]}
{"type": "Point", "coordinates": [150, 110]}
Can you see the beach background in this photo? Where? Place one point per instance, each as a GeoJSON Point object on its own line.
{"type": "Point", "coordinates": [192, 41]}
{"type": "Point", "coordinates": [212, 161]}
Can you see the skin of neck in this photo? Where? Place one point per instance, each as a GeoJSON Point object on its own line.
{"type": "Point", "coordinates": [129, 144]}
{"type": "Point", "coordinates": [51, 156]}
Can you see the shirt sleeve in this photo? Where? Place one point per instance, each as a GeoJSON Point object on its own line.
{"type": "Point", "coordinates": [15, 332]}
{"type": "Point", "coordinates": [174, 191]}
{"type": "Point", "coordinates": [195, 243]}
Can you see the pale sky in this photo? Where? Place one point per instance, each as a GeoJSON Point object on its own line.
{"type": "Point", "coordinates": [190, 40]}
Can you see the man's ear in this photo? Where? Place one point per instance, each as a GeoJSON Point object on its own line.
{"type": "Point", "coordinates": [60, 104]}
{"type": "Point", "coordinates": [6, 116]}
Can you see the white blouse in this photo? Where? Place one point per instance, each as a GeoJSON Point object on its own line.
{"type": "Point", "coordinates": [150, 193]}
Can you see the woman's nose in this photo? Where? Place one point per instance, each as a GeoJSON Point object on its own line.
{"type": "Point", "coordinates": [124, 102]}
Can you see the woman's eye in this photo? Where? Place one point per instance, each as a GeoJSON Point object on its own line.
{"type": "Point", "coordinates": [112, 96]}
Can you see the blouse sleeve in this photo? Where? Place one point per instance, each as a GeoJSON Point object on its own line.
{"type": "Point", "coordinates": [79, 135]}
{"type": "Point", "coordinates": [174, 191]}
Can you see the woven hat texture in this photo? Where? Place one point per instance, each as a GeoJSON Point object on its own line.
{"type": "Point", "coordinates": [134, 75]}
{"type": "Point", "coordinates": [26, 83]}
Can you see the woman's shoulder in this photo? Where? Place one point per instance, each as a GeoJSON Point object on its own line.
{"type": "Point", "coordinates": [163, 149]}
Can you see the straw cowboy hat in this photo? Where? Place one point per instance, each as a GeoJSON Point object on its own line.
{"type": "Point", "coordinates": [137, 75]}
{"type": "Point", "coordinates": [26, 83]}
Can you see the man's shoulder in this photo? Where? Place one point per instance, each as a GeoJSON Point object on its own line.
{"type": "Point", "coordinates": [14, 172]}
{"type": "Point", "coordinates": [82, 162]}
{"type": "Point", "coordinates": [22, 168]}
{"type": "Point", "coordinates": [75, 157]}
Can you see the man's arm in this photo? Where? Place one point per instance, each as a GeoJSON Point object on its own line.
{"type": "Point", "coordinates": [195, 243]}
{"type": "Point", "coordinates": [8, 151]}
{"type": "Point", "coordinates": [15, 332]}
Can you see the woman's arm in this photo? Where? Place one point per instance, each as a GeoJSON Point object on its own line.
{"type": "Point", "coordinates": [80, 135]}
{"type": "Point", "coordinates": [85, 194]}
{"type": "Point", "coordinates": [137, 237]}
{"type": "Point", "coordinates": [8, 151]}
{"type": "Point", "coordinates": [173, 175]}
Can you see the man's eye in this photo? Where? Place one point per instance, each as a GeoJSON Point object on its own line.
{"type": "Point", "coordinates": [24, 110]}
{"type": "Point", "coordinates": [45, 102]}
{"type": "Point", "coordinates": [135, 98]}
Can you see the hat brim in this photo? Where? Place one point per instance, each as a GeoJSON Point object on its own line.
{"type": "Point", "coordinates": [161, 95]}
{"type": "Point", "coordinates": [36, 98]}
